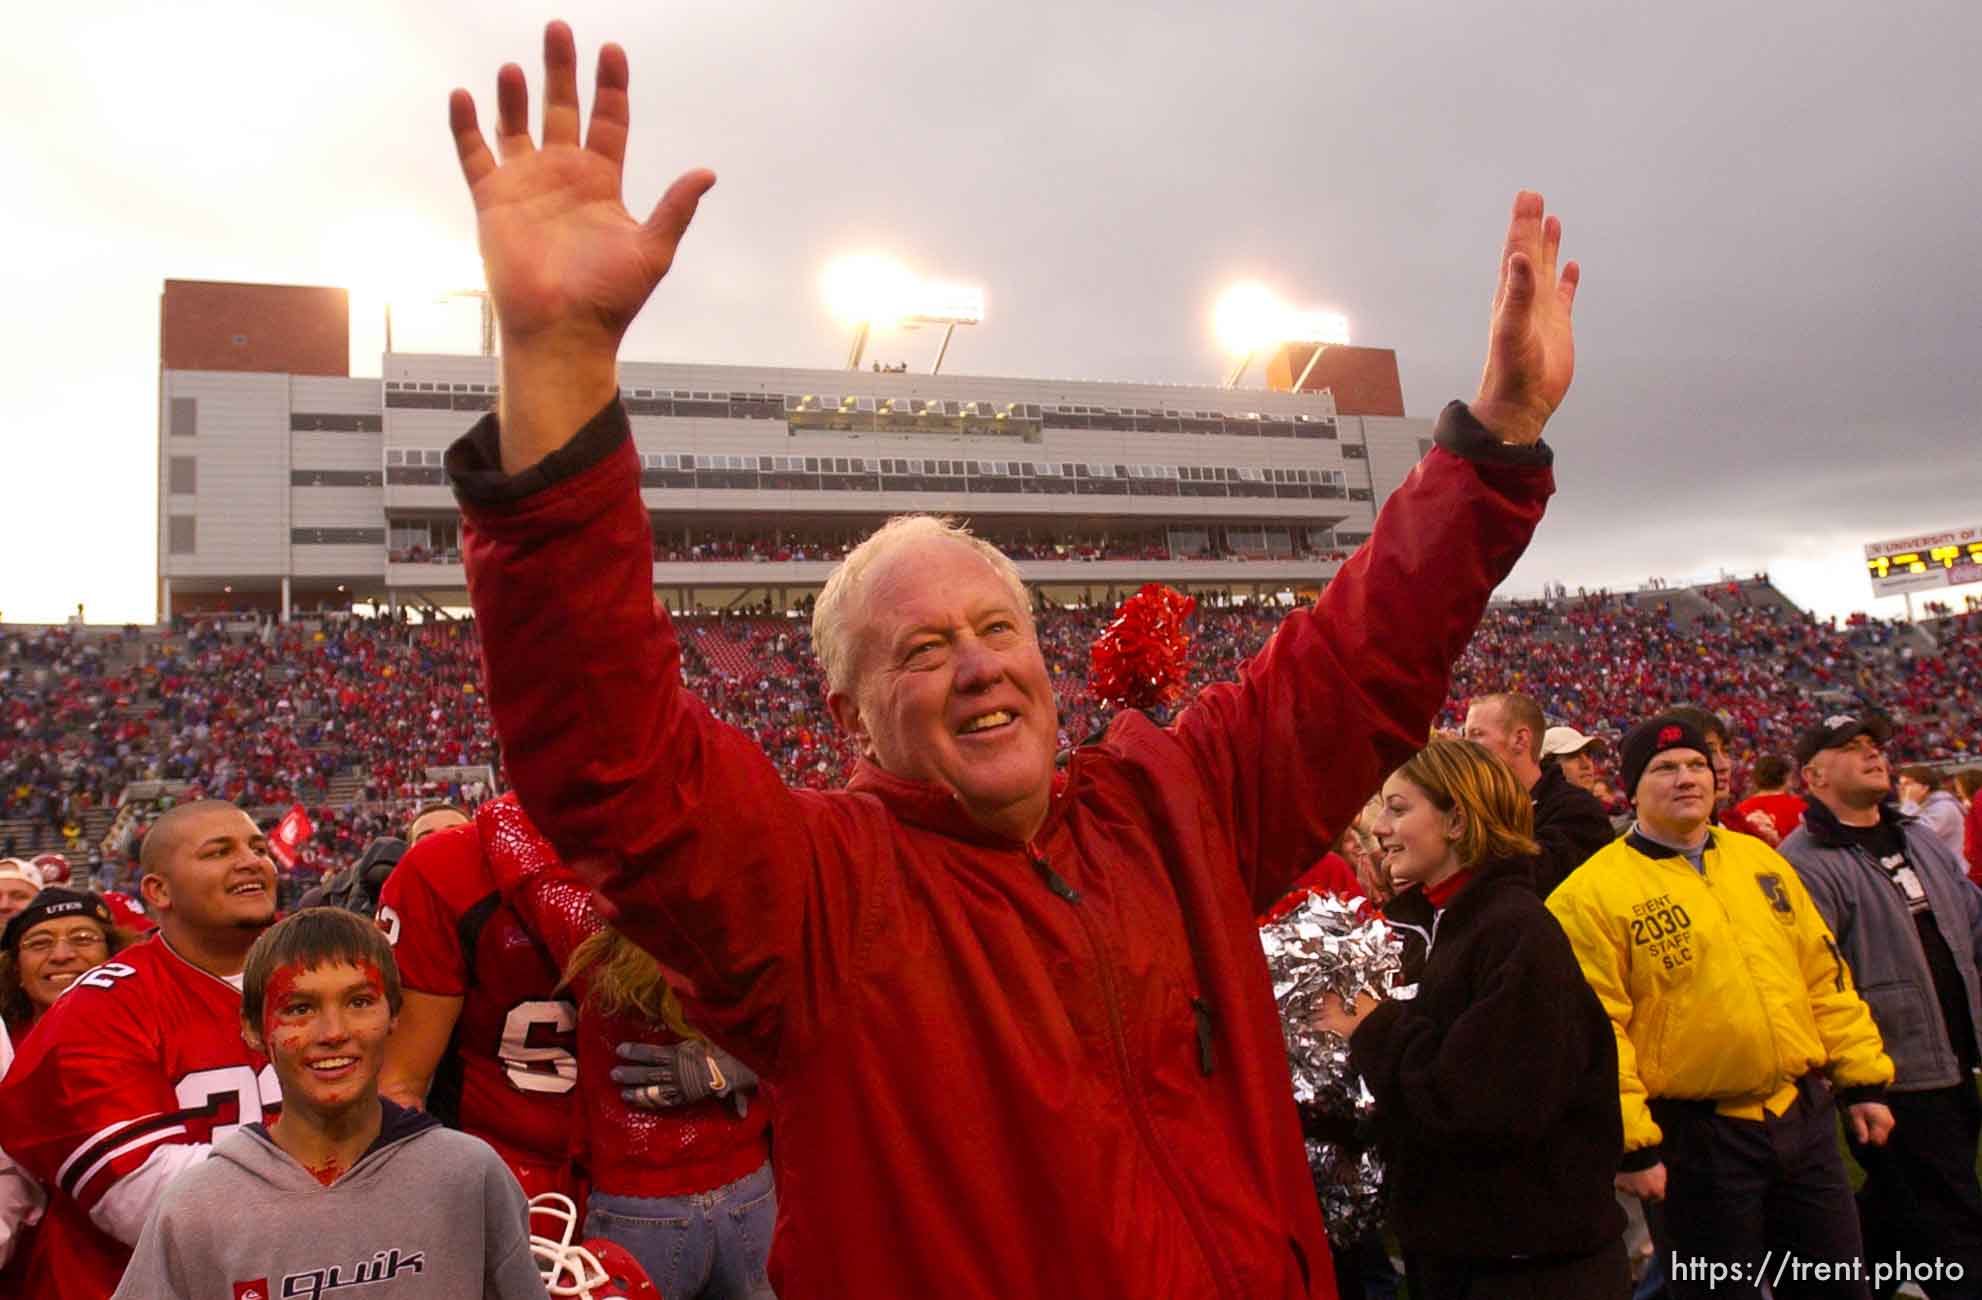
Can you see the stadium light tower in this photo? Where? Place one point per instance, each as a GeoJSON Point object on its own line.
{"type": "Point", "coordinates": [1250, 318]}
{"type": "Point", "coordinates": [870, 289]}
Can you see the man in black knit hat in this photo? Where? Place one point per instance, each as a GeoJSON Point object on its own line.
{"type": "Point", "coordinates": [1738, 1025]}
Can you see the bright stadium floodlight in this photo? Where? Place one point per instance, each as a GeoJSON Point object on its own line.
{"type": "Point", "coordinates": [388, 259]}
{"type": "Point", "coordinates": [1250, 318]}
{"type": "Point", "coordinates": [481, 296]}
{"type": "Point", "coordinates": [869, 289]}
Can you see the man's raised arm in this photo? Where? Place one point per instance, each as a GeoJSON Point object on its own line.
{"type": "Point", "coordinates": [568, 266]}
{"type": "Point", "coordinates": [697, 849]}
{"type": "Point", "coordinates": [1343, 693]}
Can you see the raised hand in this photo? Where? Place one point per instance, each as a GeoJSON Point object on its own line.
{"type": "Point", "coordinates": [568, 266]}
{"type": "Point", "coordinates": [1531, 349]}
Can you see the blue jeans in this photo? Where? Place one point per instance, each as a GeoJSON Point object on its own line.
{"type": "Point", "coordinates": [705, 1246]}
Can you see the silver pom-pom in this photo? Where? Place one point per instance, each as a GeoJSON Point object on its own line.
{"type": "Point", "coordinates": [1350, 1185]}
{"type": "Point", "coordinates": [1324, 947]}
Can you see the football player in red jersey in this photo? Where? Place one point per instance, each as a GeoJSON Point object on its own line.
{"type": "Point", "coordinates": [483, 1042]}
{"type": "Point", "coordinates": [681, 1176]}
{"type": "Point", "coordinates": [136, 1070]}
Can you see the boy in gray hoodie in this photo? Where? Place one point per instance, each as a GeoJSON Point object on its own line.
{"type": "Point", "coordinates": [343, 1189]}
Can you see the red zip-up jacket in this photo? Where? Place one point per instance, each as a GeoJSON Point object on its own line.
{"type": "Point", "coordinates": [1001, 1069]}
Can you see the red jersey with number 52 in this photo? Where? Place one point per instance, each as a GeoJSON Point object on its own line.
{"type": "Point", "coordinates": [510, 1074]}
{"type": "Point", "coordinates": [139, 1055]}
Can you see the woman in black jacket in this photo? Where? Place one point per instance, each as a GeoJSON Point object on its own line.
{"type": "Point", "coordinates": [1496, 1080]}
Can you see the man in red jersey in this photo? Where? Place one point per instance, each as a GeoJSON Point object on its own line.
{"type": "Point", "coordinates": [1771, 799]}
{"type": "Point", "coordinates": [483, 1041]}
{"type": "Point", "coordinates": [139, 1068]}
{"type": "Point", "coordinates": [679, 1168]}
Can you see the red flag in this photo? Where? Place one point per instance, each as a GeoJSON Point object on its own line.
{"type": "Point", "coordinates": [290, 832]}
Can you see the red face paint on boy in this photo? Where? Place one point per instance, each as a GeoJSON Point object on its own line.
{"type": "Point", "coordinates": [328, 1172]}
{"type": "Point", "coordinates": [281, 983]}
{"type": "Point", "coordinates": [325, 1028]}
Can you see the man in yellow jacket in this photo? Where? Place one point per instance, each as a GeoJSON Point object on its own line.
{"type": "Point", "coordinates": [1737, 1022]}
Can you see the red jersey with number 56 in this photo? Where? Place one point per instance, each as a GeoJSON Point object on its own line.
{"type": "Point", "coordinates": [137, 1059]}
{"type": "Point", "coordinates": [510, 1074]}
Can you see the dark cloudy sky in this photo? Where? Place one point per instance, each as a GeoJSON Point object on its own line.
{"type": "Point", "coordinates": [1776, 206]}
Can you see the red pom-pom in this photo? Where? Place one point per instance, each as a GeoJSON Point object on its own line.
{"type": "Point", "coordinates": [1140, 659]}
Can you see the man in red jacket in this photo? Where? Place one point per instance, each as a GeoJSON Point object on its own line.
{"type": "Point", "coordinates": [1018, 1026]}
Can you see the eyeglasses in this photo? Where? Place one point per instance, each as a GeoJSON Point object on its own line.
{"type": "Point", "coordinates": [83, 941]}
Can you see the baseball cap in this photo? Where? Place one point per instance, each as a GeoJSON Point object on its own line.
{"type": "Point", "coordinates": [1560, 742]}
{"type": "Point", "coordinates": [15, 869]}
{"type": "Point", "coordinates": [1838, 729]}
{"type": "Point", "coordinates": [52, 904]}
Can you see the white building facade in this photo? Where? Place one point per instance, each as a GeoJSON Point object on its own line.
{"type": "Point", "coordinates": [291, 492]}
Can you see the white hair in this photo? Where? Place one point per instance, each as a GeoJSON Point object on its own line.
{"type": "Point", "coordinates": [833, 641]}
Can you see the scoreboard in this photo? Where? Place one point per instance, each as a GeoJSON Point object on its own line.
{"type": "Point", "coordinates": [1905, 564]}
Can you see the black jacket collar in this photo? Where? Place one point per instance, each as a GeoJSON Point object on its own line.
{"type": "Point", "coordinates": [1412, 908]}
{"type": "Point", "coordinates": [1651, 848]}
{"type": "Point", "coordinates": [1553, 779]}
{"type": "Point", "coordinates": [1828, 831]}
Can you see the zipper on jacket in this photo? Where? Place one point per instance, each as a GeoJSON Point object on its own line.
{"type": "Point", "coordinates": [1754, 985]}
{"type": "Point", "coordinates": [1206, 1062]}
{"type": "Point", "coordinates": [1053, 880]}
{"type": "Point", "coordinates": [1912, 931]}
{"type": "Point", "coordinates": [1214, 1262]}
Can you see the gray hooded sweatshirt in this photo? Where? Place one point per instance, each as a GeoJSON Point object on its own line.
{"type": "Point", "coordinates": [425, 1214]}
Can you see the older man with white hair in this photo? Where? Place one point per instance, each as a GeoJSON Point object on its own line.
{"type": "Point", "coordinates": [1020, 1035]}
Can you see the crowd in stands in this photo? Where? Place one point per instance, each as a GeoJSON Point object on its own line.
{"type": "Point", "coordinates": [1770, 670]}
{"type": "Point", "coordinates": [362, 721]}
{"type": "Point", "coordinates": [830, 545]}
{"type": "Point", "coordinates": [264, 719]}
{"type": "Point", "coordinates": [770, 547]}
{"type": "Point", "coordinates": [274, 716]}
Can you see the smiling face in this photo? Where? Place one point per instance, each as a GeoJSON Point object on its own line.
{"type": "Point", "coordinates": [1850, 777]}
{"type": "Point", "coordinates": [949, 685]}
{"type": "Point", "coordinates": [212, 877]}
{"type": "Point", "coordinates": [324, 1029]}
{"type": "Point", "coordinates": [1416, 842]}
{"type": "Point", "coordinates": [55, 952]}
{"type": "Point", "coordinates": [1676, 794]}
